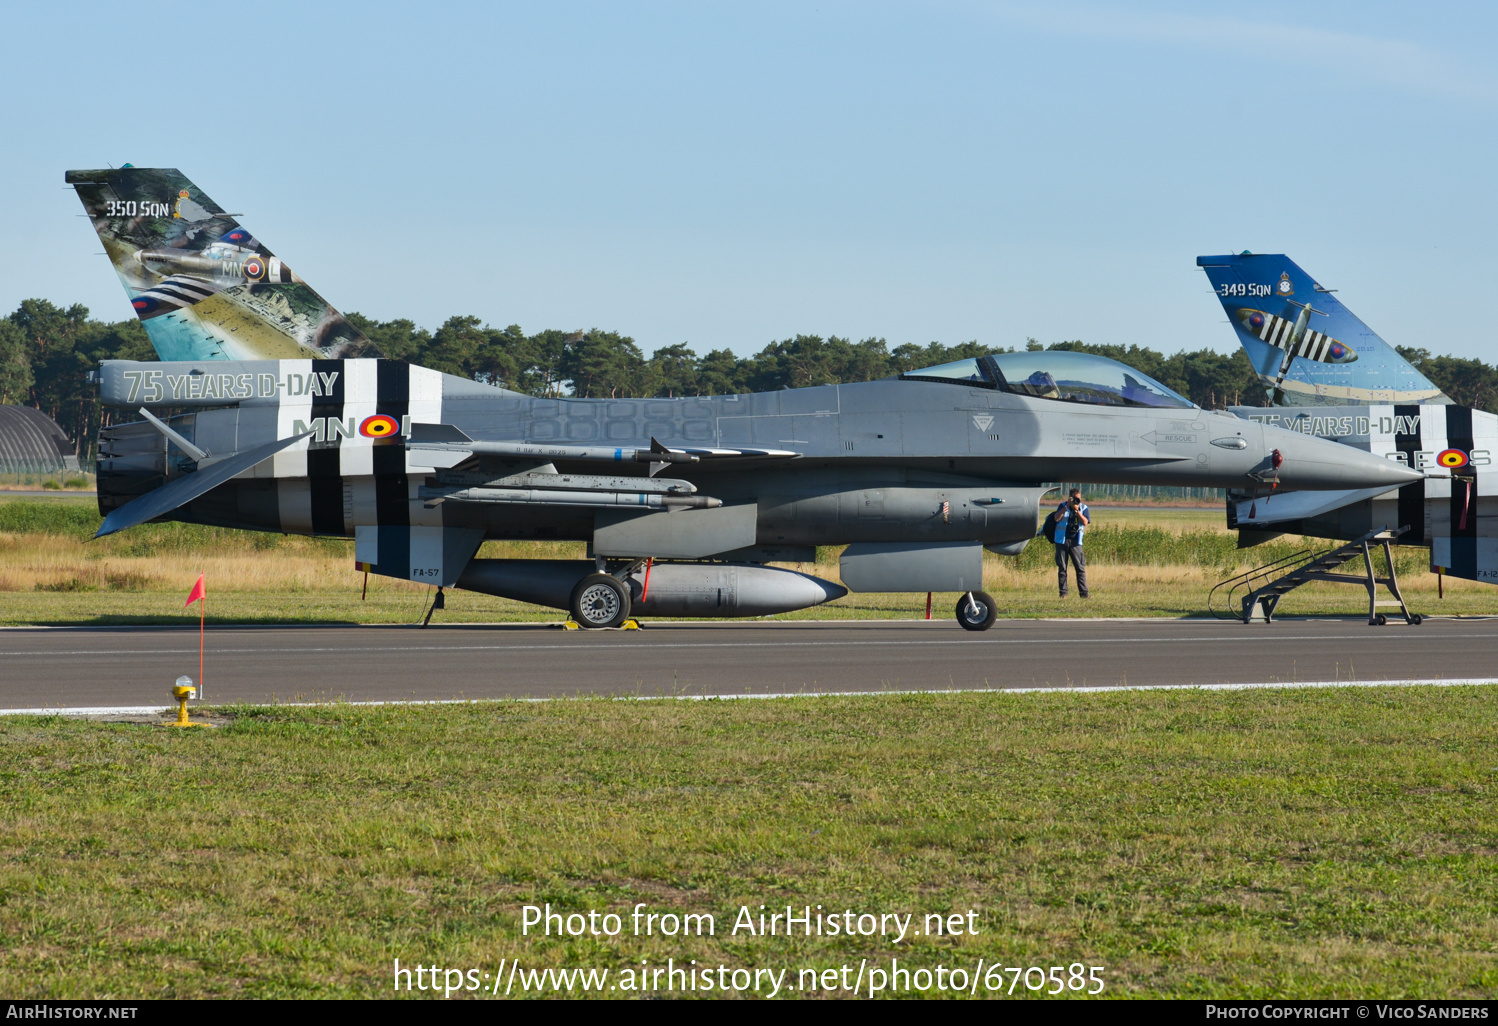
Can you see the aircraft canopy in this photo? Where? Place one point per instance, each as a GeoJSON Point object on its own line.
{"type": "Point", "coordinates": [1057, 374]}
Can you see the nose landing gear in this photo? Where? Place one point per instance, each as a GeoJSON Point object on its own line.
{"type": "Point", "coordinates": [976, 611]}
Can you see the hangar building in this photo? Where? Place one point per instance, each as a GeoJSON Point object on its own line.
{"type": "Point", "coordinates": [31, 442]}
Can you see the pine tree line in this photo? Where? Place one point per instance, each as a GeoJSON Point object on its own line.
{"type": "Point", "coordinates": [47, 351]}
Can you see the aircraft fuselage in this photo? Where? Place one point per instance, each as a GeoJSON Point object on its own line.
{"type": "Point", "coordinates": [890, 460]}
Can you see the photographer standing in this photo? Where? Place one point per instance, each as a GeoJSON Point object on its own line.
{"type": "Point", "coordinates": [1066, 526]}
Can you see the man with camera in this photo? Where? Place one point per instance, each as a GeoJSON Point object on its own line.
{"type": "Point", "coordinates": [1065, 527]}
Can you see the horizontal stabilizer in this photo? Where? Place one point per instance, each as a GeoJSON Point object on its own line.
{"type": "Point", "coordinates": [185, 489]}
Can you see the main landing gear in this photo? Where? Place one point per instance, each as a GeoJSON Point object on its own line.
{"type": "Point", "coordinates": [976, 611]}
{"type": "Point", "coordinates": [600, 601]}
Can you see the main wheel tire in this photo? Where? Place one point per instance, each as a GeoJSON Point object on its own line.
{"type": "Point", "coordinates": [600, 601]}
{"type": "Point", "coordinates": [1416, 619]}
{"type": "Point", "coordinates": [977, 614]}
{"type": "Point", "coordinates": [1380, 620]}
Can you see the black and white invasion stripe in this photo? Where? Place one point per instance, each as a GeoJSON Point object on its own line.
{"type": "Point", "coordinates": [1279, 332]}
{"type": "Point", "coordinates": [174, 293]}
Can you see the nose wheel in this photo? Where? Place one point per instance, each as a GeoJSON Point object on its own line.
{"type": "Point", "coordinates": [976, 611]}
{"type": "Point", "coordinates": [600, 601]}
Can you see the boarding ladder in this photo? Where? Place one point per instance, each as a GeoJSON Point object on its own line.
{"type": "Point", "coordinates": [1225, 600]}
{"type": "Point", "coordinates": [1261, 601]}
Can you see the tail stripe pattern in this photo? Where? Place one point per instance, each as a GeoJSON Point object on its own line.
{"type": "Point", "coordinates": [172, 293]}
{"type": "Point", "coordinates": [1277, 331]}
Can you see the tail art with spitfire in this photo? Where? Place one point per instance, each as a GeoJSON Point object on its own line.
{"type": "Point", "coordinates": [1307, 348]}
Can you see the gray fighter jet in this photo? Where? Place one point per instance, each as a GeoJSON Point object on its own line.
{"type": "Point", "coordinates": [684, 503]}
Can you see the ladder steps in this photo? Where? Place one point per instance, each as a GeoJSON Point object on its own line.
{"type": "Point", "coordinates": [1262, 601]}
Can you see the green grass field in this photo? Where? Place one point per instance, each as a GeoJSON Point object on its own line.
{"type": "Point", "coordinates": [1232, 844]}
{"type": "Point", "coordinates": [1143, 562]}
{"type": "Point", "coordinates": [1249, 844]}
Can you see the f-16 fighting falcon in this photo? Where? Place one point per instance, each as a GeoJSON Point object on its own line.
{"type": "Point", "coordinates": [284, 418]}
{"type": "Point", "coordinates": [1381, 404]}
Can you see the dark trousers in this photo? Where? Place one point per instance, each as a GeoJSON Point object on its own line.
{"type": "Point", "coordinates": [1073, 553]}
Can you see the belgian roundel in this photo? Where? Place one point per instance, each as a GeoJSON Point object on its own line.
{"type": "Point", "coordinates": [379, 426]}
{"type": "Point", "coordinates": [1451, 458]}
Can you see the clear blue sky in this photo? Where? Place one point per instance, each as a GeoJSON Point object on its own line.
{"type": "Point", "coordinates": [728, 174]}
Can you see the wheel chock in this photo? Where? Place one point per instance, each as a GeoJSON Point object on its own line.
{"type": "Point", "coordinates": [572, 625]}
{"type": "Point", "coordinates": [627, 625]}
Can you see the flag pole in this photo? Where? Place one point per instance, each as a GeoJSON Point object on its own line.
{"type": "Point", "coordinates": [199, 594]}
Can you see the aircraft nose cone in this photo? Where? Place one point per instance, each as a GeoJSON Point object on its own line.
{"type": "Point", "coordinates": [1317, 463]}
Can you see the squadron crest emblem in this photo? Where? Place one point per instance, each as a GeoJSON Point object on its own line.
{"type": "Point", "coordinates": [1285, 287]}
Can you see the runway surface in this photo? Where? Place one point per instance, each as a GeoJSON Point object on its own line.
{"type": "Point", "coordinates": [135, 666]}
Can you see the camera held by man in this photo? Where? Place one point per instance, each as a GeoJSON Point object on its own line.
{"type": "Point", "coordinates": [1066, 526]}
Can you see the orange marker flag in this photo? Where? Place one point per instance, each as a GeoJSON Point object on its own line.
{"type": "Point", "coordinates": [199, 594]}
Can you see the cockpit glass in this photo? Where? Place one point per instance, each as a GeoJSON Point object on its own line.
{"type": "Point", "coordinates": [1059, 374]}
{"type": "Point", "coordinates": [1083, 378]}
{"type": "Point", "coordinates": [959, 370]}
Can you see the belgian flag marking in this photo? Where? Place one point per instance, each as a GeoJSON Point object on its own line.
{"type": "Point", "coordinates": [1452, 458]}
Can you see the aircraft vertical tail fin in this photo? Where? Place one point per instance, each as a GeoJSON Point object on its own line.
{"type": "Point", "coordinates": [1307, 348]}
{"type": "Point", "coordinates": [202, 285]}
